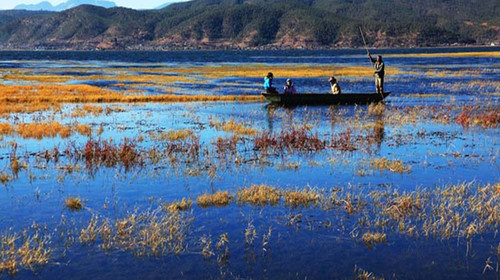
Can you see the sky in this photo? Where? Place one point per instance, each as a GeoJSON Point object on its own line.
{"type": "Point", "coordinates": [144, 4]}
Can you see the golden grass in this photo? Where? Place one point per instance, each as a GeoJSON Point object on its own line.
{"type": "Point", "coordinates": [44, 130]}
{"type": "Point", "coordinates": [5, 178]}
{"type": "Point", "coordinates": [259, 195]}
{"type": "Point", "coordinates": [38, 78]}
{"type": "Point", "coordinates": [290, 71]}
{"type": "Point", "coordinates": [391, 165]}
{"type": "Point", "coordinates": [42, 97]}
{"type": "Point", "coordinates": [234, 127]}
{"type": "Point", "coordinates": [303, 198]}
{"type": "Point", "coordinates": [27, 251]}
{"type": "Point", "coordinates": [370, 238]}
{"type": "Point", "coordinates": [175, 135]}
{"type": "Point", "coordinates": [41, 130]}
{"type": "Point", "coordinates": [218, 199]}
{"type": "Point", "coordinates": [74, 203]}
{"type": "Point", "coordinates": [5, 128]}
{"type": "Point", "coordinates": [87, 109]}
{"type": "Point", "coordinates": [83, 129]}
{"type": "Point", "coordinates": [176, 206]}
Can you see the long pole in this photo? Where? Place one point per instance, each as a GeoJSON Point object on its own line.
{"type": "Point", "coordinates": [364, 42]}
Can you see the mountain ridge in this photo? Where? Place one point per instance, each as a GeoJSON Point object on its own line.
{"type": "Point", "coordinates": [47, 6]}
{"type": "Point", "coordinates": [251, 24]}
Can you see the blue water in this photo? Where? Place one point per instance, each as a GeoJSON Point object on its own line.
{"type": "Point", "coordinates": [306, 250]}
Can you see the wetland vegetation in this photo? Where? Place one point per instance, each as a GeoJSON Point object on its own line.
{"type": "Point", "coordinates": [127, 169]}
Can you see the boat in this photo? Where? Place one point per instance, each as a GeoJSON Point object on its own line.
{"type": "Point", "coordinates": [325, 98]}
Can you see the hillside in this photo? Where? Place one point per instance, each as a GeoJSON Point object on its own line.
{"type": "Point", "coordinates": [260, 24]}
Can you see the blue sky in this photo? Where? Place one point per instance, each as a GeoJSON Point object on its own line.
{"type": "Point", "coordinates": [145, 4]}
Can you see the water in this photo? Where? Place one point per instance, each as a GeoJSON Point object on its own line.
{"type": "Point", "coordinates": [314, 242]}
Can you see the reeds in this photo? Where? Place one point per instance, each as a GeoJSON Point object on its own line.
{"type": "Point", "coordinates": [392, 165]}
{"type": "Point", "coordinates": [100, 152]}
{"type": "Point", "coordinates": [175, 135]}
{"type": "Point", "coordinates": [176, 206]}
{"type": "Point", "coordinates": [234, 127]}
{"type": "Point", "coordinates": [371, 238]}
{"type": "Point", "coordinates": [300, 139]}
{"type": "Point", "coordinates": [259, 195]}
{"type": "Point", "coordinates": [27, 251]}
{"type": "Point", "coordinates": [74, 203]}
{"type": "Point", "coordinates": [305, 198]}
{"type": "Point", "coordinates": [218, 199]}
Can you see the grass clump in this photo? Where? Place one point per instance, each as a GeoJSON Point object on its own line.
{"type": "Point", "coordinates": [234, 127]}
{"type": "Point", "coordinates": [391, 165]}
{"type": "Point", "coordinates": [83, 129]}
{"type": "Point", "coordinates": [176, 206]}
{"type": "Point", "coordinates": [259, 195]}
{"type": "Point", "coordinates": [74, 203]}
{"type": "Point", "coordinates": [27, 251]}
{"type": "Point", "coordinates": [177, 135]}
{"type": "Point", "coordinates": [371, 238]}
{"type": "Point", "coordinates": [218, 199]}
{"type": "Point", "coordinates": [5, 128]}
{"type": "Point", "coordinates": [303, 198]}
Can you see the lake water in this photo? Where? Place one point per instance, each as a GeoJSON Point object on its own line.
{"type": "Point", "coordinates": [422, 169]}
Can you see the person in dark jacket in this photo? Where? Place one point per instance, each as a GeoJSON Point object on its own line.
{"type": "Point", "coordinates": [289, 88]}
{"type": "Point", "coordinates": [268, 83]}
{"type": "Point", "coordinates": [379, 72]}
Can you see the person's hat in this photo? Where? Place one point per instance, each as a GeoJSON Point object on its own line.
{"type": "Point", "coordinates": [288, 81]}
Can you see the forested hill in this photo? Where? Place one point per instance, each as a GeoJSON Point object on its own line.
{"type": "Point", "coordinates": [211, 24]}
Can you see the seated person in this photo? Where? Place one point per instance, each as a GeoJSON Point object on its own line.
{"type": "Point", "coordinates": [268, 83]}
{"type": "Point", "coordinates": [289, 87]}
{"type": "Point", "coordinates": [335, 86]}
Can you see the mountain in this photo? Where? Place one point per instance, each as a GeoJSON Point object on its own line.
{"type": "Point", "coordinates": [210, 24]}
{"type": "Point", "coordinates": [46, 6]}
{"type": "Point", "coordinates": [163, 6]}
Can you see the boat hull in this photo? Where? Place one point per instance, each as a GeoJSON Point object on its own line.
{"type": "Point", "coordinates": [325, 99]}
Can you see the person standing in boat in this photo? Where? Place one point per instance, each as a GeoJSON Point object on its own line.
{"type": "Point", "coordinates": [335, 86]}
{"type": "Point", "coordinates": [268, 83]}
{"type": "Point", "coordinates": [379, 72]}
{"type": "Point", "coordinates": [289, 87]}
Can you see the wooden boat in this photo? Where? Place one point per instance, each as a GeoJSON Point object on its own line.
{"type": "Point", "coordinates": [325, 98]}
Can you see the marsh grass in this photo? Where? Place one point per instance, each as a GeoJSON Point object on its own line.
{"type": "Point", "coordinates": [173, 135]}
{"type": "Point", "coordinates": [176, 206]}
{"type": "Point", "coordinates": [27, 250]}
{"type": "Point", "coordinates": [259, 195]}
{"type": "Point", "coordinates": [297, 139]}
{"type": "Point", "coordinates": [85, 110]}
{"type": "Point", "coordinates": [234, 127]}
{"type": "Point", "coordinates": [74, 203]}
{"type": "Point", "coordinates": [5, 128]}
{"type": "Point", "coordinates": [361, 274]}
{"type": "Point", "coordinates": [305, 198]}
{"type": "Point", "coordinates": [392, 165]}
{"type": "Point", "coordinates": [371, 238]}
{"type": "Point", "coordinates": [152, 232]}
{"type": "Point", "coordinates": [218, 199]}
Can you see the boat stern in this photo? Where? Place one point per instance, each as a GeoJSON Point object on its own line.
{"type": "Point", "coordinates": [274, 98]}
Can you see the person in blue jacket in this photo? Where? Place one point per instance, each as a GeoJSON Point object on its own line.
{"type": "Point", "coordinates": [268, 83]}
